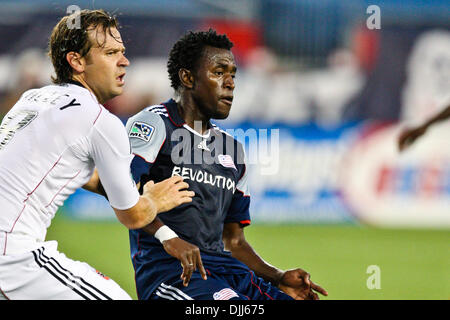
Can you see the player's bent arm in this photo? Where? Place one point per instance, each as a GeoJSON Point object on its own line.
{"type": "Point", "coordinates": [409, 135]}
{"type": "Point", "coordinates": [234, 241]}
{"type": "Point", "coordinates": [110, 149]}
{"type": "Point", "coordinates": [187, 253]}
{"type": "Point", "coordinates": [444, 114]}
{"type": "Point", "coordinates": [294, 282]}
{"type": "Point", "coordinates": [138, 216]}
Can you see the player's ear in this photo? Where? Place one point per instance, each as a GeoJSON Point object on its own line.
{"type": "Point", "coordinates": [186, 78]}
{"type": "Point", "coordinates": [75, 61]}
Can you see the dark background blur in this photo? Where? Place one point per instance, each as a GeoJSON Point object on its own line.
{"type": "Point", "coordinates": [325, 87]}
{"type": "Point", "coordinates": [313, 69]}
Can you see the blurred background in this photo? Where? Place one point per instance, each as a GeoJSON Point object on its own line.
{"type": "Point", "coordinates": [329, 84]}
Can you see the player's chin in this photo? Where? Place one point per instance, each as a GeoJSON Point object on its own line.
{"type": "Point", "coordinates": [114, 92]}
{"type": "Point", "coordinates": [222, 112]}
{"type": "Point", "coordinates": [221, 115]}
{"type": "Point", "coordinates": [118, 90]}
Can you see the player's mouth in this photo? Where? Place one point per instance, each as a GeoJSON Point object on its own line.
{"type": "Point", "coordinates": [228, 100]}
{"type": "Point", "coordinates": [120, 79]}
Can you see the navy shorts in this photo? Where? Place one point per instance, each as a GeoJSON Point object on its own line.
{"type": "Point", "coordinates": [157, 276]}
{"type": "Point", "coordinates": [232, 286]}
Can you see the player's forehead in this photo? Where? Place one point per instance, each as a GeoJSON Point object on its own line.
{"type": "Point", "coordinates": [216, 57]}
{"type": "Point", "coordinates": [105, 38]}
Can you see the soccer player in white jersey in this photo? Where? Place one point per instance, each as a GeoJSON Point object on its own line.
{"type": "Point", "coordinates": [51, 141]}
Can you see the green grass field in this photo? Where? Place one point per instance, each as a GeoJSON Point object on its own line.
{"type": "Point", "coordinates": [414, 264]}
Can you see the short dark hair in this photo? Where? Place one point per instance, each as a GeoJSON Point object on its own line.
{"type": "Point", "coordinates": [188, 49]}
{"type": "Point", "coordinates": [65, 39]}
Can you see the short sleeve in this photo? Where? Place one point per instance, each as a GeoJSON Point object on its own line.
{"type": "Point", "coordinates": [112, 157]}
{"type": "Point", "coordinates": [239, 210]}
{"type": "Point", "coordinates": [147, 133]}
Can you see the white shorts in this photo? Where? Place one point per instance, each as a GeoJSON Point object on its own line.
{"type": "Point", "coordinates": [46, 274]}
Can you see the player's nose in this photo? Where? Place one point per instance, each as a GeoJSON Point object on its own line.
{"type": "Point", "coordinates": [124, 62]}
{"type": "Point", "coordinates": [229, 82]}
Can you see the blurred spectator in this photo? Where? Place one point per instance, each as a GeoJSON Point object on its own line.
{"type": "Point", "coordinates": [30, 70]}
{"type": "Point", "coordinates": [269, 92]}
{"type": "Point", "coordinates": [427, 87]}
{"type": "Point", "coordinates": [334, 86]}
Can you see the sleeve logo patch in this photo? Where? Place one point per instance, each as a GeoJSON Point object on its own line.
{"type": "Point", "coordinates": [141, 131]}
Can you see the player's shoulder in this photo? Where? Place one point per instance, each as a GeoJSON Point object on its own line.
{"type": "Point", "coordinates": [69, 91]}
{"type": "Point", "coordinates": [107, 121]}
{"type": "Point", "coordinates": [157, 109]}
{"type": "Point", "coordinates": [72, 99]}
{"type": "Point", "coordinates": [71, 108]}
{"type": "Point", "coordinates": [149, 117]}
{"type": "Point", "coordinates": [81, 95]}
{"type": "Point", "coordinates": [147, 132]}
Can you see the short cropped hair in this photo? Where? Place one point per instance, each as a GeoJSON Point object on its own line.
{"type": "Point", "coordinates": [67, 37]}
{"type": "Point", "coordinates": [187, 51]}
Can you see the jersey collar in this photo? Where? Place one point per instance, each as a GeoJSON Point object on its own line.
{"type": "Point", "coordinates": [80, 85]}
{"type": "Point", "coordinates": [76, 83]}
{"type": "Point", "coordinates": [174, 115]}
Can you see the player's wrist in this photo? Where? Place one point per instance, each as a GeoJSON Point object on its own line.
{"type": "Point", "coordinates": [278, 277]}
{"type": "Point", "coordinates": [149, 207]}
{"type": "Point", "coordinates": [164, 233]}
{"type": "Point", "coordinates": [157, 204]}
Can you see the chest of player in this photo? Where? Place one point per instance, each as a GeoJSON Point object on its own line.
{"type": "Point", "coordinates": [209, 164]}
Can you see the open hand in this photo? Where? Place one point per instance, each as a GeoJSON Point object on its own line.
{"type": "Point", "coordinates": [298, 285]}
{"type": "Point", "coordinates": [168, 193]}
{"type": "Point", "coordinates": [189, 256]}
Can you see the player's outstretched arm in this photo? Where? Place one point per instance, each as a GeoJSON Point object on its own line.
{"type": "Point", "coordinates": [295, 282]}
{"type": "Point", "coordinates": [156, 198]}
{"type": "Point", "coordinates": [187, 253]}
{"type": "Point", "coordinates": [409, 135]}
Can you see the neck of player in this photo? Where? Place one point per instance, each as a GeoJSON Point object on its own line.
{"type": "Point", "coordinates": [191, 113]}
{"type": "Point", "coordinates": [81, 80]}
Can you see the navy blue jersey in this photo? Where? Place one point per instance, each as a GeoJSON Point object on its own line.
{"type": "Point", "coordinates": [213, 166]}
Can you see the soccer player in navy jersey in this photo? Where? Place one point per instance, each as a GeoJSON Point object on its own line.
{"type": "Point", "coordinates": [177, 138]}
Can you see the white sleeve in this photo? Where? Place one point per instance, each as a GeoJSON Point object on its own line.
{"type": "Point", "coordinates": [112, 157]}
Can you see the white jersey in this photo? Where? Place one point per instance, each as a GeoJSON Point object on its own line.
{"type": "Point", "coordinates": [50, 143]}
